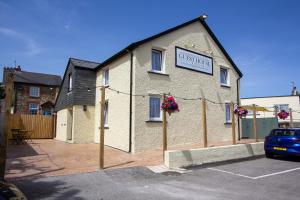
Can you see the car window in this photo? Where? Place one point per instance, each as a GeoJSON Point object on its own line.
{"type": "Point", "coordinates": [283, 132]}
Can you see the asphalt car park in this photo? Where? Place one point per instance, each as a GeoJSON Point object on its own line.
{"type": "Point", "coordinates": [260, 178]}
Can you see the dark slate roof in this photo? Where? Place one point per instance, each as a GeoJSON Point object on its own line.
{"type": "Point", "coordinates": [37, 78]}
{"type": "Point", "coordinates": [132, 46]}
{"type": "Point", "coordinates": [84, 63]}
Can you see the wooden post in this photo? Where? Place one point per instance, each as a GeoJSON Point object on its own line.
{"type": "Point", "coordinates": [254, 124]}
{"type": "Point", "coordinates": [291, 118]}
{"type": "Point", "coordinates": [233, 123]}
{"type": "Point", "coordinates": [204, 122]}
{"type": "Point", "coordinates": [8, 100]}
{"type": "Point", "coordinates": [102, 121]}
{"type": "Point", "coordinates": [165, 138]}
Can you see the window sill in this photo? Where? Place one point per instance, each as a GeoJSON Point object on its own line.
{"type": "Point", "coordinates": [105, 127]}
{"type": "Point", "coordinates": [226, 86]}
{"type": "Point", "coordinates": [106, 86]}
{"type": "Point", "coordinates": [154, 121]}
{"type": "Point", "coordinates": [227, 123]}
{"type": "Point", "coordinates": [159, 73]}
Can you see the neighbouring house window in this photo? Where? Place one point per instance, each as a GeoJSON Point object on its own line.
{"type": "Point", "coordinates": [34, 91]}
{"type": "Point", "coordinates": [224, 76]}
{"type": "Point", "coordinates": [70, 83]}
{"type": "Point", "coordinates": [227, 113]}
{"type": "Point", "coordinates": [157, 60]}
{"type": "Point", "coordinates": [33, 108]}
{"type": "Point", "coordinates": [281, 107]}
{"type": "Point", "coordinates": [106, 114]}
{"type": "Point", "coordinates": [106, 77]}
{"type": "Point", "coordinates": [155, 112]}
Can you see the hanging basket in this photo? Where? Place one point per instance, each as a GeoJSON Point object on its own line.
{"type": "Point", "coordinates": [283, 114]}
{"type": "Point", "coordinates": [170, 105]}
{"type": "Point", "coordinates": [241, 112]}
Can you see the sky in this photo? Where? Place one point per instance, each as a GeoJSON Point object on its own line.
{"type": "Point", "coordinates": [262, 37]}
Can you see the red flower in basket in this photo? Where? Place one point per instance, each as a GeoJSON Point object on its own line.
{"type": "Point", "coordinates": [169, 105]}
{"type": "Point", "coordinates": [283, 114]}
{"type": "Point", "coordinates": [241, 112]}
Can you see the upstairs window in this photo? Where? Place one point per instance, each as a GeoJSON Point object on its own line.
{"type": "Point", "coordinates": [157, 60]}
{"type": "Point", "coordinates": [154, 108]}
{"type": "Point", "coordinates": [227, 113]}
{"type": "Point", "coordinates": [106, 77]}
{"type": "Point", "coordinates": [281, 107]}
{"type": "Point", "coordinates": [34, 91]}
{"type": "Point", "coordinates": [224, 76]}
{"type": "Point", "coordinates": [70, 83]}
{"type": "Point", "coordinates": [33, 108]}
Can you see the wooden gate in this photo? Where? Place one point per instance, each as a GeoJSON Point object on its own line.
{"type": "Point", "coordinates": [39, 126]}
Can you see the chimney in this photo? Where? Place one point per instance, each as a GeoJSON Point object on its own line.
{"type": "Point", "coordinates": [294, 91]}
{"type": "Point", "coordinates": [18, 69]}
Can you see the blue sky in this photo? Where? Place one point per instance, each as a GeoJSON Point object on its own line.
{"type": "Point", "coordinates": [262, 37]}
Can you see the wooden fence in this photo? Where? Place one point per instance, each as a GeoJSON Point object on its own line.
{"type": "Point", "coordinates": [40, 126]}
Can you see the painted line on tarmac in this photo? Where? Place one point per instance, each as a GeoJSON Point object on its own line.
{"type": "Point", "coordinates": [227, 172]}
{"type": "Point", "coordinates": [257, 177]}
{"type": "Point", "coordinates": [276, 173]}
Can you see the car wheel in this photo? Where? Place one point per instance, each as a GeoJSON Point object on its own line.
{"type": "Point", "coordinates": [269, 155]}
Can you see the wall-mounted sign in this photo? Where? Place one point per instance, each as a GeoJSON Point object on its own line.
{"type": "Point", "coordinates": [194, 61]}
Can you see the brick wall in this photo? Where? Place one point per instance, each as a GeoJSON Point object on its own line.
{"type": "Point", "coordinates": [23, 98]}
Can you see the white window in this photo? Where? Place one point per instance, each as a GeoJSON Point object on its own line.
{"type": "Point", "coordinates": [106, 77]}
{"type": "Point", "coordinates": [70, 83]}
{"type": "Point", "coordinates": [154, 108]}
{"type": "Point", "coordinates": [157, 59]}
{"type": "Point", "coordinates": [281, 107]}
{"type": "Point", "coordinates": [33, 108]}
{"type": "Point", "coordinates": [227, 113]}
{"type": "Point", "coordinates": [224, 76]}
{"type": "Point", "coordinates": [106, 114]}
{"type": "Point", "coordinates": [34, 91]}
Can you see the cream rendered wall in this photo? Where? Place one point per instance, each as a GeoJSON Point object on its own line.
{"type": "Point", "coordinates": [270, 102]}
{"type": "Point", "coordinates": [117, 134]}
{"type": "Point", "coordinates": [83, 124]}
{"type": "Point", "coordinates": [61, 125]}
{"type": "Point", "coordinates": [184, 127]}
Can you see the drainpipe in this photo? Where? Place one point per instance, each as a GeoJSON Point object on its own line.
{"type": "Point", "coordinates": [130, 101]}
{"type": "Point", "coordinates": [238, 103]}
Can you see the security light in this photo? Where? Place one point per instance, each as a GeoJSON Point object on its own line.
{"type": "Point", "coordinates": [204, 16]}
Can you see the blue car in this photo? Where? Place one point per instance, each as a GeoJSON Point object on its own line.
{"type": "Point", "coordinates": [283, 141]}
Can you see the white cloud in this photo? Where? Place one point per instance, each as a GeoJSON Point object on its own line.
{"type": "Point", "coordinates": [32, 48]}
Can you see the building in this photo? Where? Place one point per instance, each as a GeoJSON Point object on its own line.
{"type": "Point", "coordinates": [34, 93]}
{"type": "Point", "coordinates": [275, 104]}
{"type": "Point", "coordinates": [75, 104]}
{"type": "Point", "coordinates": [186, 61]}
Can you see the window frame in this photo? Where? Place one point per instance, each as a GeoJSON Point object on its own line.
{"type": "Point", "coordinates": [106, 110]}
{"type": "Point", "coordinates": [70, 83]}
{"type": "Point", "coordinates": [227, 84]}
{"type": "Point", "coordinates": [162, 67]}
{"type": "Point", "coordinates": [228, 109]}
{"type": "Point", "coordinates": [105, 78]}
{"type": "Point", "coordinates": [282, 105]}
{"type": "Point", "coordinates": [31, 89]}
{"type": "Point", "coordinates": [30, 108]}
{"type": "Point", "coordinates": [160, 111]}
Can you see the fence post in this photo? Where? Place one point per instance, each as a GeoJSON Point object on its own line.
{"type": "Point", "coordinates": [204, 122]}
{"type": "Point", "coordinates": [254, 123]}
{"type": "Point", "coordinates": [291, 118]}
{"type": "Point", "coordinates": [3, 144]}
{"type": "Point", "coordinates": [165, 138]}
{"type": "Point", "coordinates": [101, 142]}
{"type": "Point", "coordinates": [233, 123]}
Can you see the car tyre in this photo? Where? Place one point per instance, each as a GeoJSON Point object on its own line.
{"type": "Point", "coordinates": [269, 155]}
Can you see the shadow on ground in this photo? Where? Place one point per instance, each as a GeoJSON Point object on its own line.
{"type": "Point", "coordinates": [20, 150]}
{"type": "Point", "coordinates": [35, 189]}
